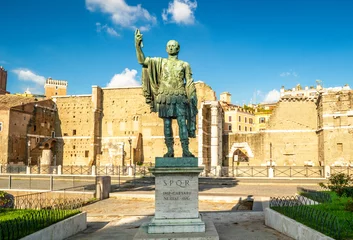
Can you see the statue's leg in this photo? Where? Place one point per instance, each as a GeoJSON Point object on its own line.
{"type": "Point", "coordinates": [184, 138]}
{"type": "Point", "coordinates": [168, 136]}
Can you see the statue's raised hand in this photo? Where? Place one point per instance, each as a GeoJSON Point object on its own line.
{"type": "Point", "coordinates": [138, 38]}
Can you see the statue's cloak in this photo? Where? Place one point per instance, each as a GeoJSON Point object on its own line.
{"type": "Point", "coordinates": [151, 77]}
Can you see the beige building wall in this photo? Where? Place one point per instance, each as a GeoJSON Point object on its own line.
{"type": "Point", "coordinates": [73, 129]}
{"type": "Point", "coordinates": [96, 128]}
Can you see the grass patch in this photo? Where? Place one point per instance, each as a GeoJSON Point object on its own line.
{"type": "Point", "coordinates": [15, 224]}
{"type": "Point", "coordinates": [329, 218]}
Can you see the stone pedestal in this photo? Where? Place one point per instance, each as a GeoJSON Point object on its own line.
{"type": "Point", "coordinates": [177, 202]}
{"type": "Point", "coordinates": [177, 196]}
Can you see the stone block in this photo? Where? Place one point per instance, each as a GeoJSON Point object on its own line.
{"type": "Point", "coordinates": [210, 233]}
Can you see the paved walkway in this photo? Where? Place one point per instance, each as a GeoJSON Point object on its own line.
{"type": "Point", "coordinates": [120, 216]}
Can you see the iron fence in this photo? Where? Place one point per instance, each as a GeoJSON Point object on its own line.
{"type": "Point", "coordinates": [299, 171]}
{"type": "Point", "coordinates": [245, 171]}
{"type": "Point", "coordinates": [321, 197]}
{"type": "Point", "coordinates": [209, 172]}
{"type": "Point", "coordinates": [346, 170]}
{"type": "Point", "coordinates": [77, 170]}
{"type": "Point", "coordinates": [64, 199]}
{"type": "Point", "coordinates": [299, 208]}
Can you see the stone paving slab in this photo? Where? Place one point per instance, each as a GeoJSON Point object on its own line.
{"type": "Point", "coordinates": [230, 226]}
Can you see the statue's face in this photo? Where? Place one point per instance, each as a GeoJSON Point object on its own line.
{"type": "Point", "coordinates": [173, 47]}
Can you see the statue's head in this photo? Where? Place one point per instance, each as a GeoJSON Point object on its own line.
{"type": "Point", "coordinates": [173, 47]}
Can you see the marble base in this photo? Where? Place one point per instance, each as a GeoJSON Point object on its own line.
{"type": "Point", "coordinates": [209, 234]}
{"type": "Point", "coordinates": [181, 225]}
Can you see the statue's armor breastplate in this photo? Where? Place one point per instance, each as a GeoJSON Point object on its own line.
{"type": "Point", "coordinates": [172, 77]}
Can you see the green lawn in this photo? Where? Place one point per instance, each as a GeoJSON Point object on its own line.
{"type": "Point", "coordinates": [330, 218]}
{"type": "Point", "coordinates": [15, 224]}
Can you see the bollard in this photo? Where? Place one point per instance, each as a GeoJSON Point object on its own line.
{"type": "Point", "coordinates": [270, 172]}
{"type": "Point", "coordinates": [60, 170]}
{"type": "Point", "coordinates": [103, 185]}
{"type": "Point", "coordinates": [28, 170]}
{"type": "Point", "coordinates": [93, 170]}
{"type": "Point", "coordinates": [327, 171]}
{"type": "Point", "coordinates": [51, 182]}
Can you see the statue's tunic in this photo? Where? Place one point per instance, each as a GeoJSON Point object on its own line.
{"type": "Point", "coordinates": [169, 89]}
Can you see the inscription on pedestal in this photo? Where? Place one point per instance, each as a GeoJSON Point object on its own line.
{"type": "Point", "coordinates": [177, 196]}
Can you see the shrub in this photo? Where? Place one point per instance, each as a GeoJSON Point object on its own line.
{"type": "Point", "coordinates": [349, 206]}
{"type": "Point", "coordinates": [338, 183]}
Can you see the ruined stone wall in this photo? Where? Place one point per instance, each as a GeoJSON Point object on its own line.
{"type": "Point", "coordinates": [30, 124]}
{"type": "Point", "coordinates": [337, 127]}
{"type": "Point", "coordinates": [256, 142]}
{"type": "Point", "coordinates": [73, 129]}
{"type": "Point", "coordinates": [95, 129]}
{"type": "Point", "coordinates": [4, 137]}
{"type": "Point", "coordinates": [292, 132]}
{"type": "Point", "coordinates": [3, 80]}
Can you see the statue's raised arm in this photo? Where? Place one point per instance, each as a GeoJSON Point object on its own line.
{"type": "Point", "coordinates": [169, 89]}
{"type": "Point", "coordinates": [138, 45]}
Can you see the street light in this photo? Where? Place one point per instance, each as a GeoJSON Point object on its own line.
{"type": "Point", "coordinates": [270, 154]}
{"type": "Point", "coordinates": [130, 140]}
{"type": "Point", "coordinates": [29, 153]}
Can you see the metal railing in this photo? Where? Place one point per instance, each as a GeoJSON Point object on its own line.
{"type": "Point", "coordinates": [213, 171]}
{"type": "Point", "coordinates": [299, 171]}
{"type": "Point", "coordinates": [68, 198]}
{"type": "Point", "coordinates": [346, 170]}
{"type": "Point", "coordinates": [245, 171]}
{"type": "Point", "coordinates": [321, 197]}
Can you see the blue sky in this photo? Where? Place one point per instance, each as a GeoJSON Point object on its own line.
{"type": "Point", "coordinates": [248, 48]}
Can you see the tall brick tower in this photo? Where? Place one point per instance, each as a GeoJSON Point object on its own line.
{"type": "Point", "coordinates": [55, 87]}
{"type": "Point", "coordinates": [3, 80]}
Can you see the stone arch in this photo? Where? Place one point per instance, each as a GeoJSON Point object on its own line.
{"type": "Point", "coordinates": [241, 149]}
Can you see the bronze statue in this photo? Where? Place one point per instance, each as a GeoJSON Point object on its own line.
{"type": "Point", "coordinates": [169, 90]}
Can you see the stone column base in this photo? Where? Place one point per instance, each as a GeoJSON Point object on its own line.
{"type": "Point", "coordinates": [182, 225]}
{"type": "Point", "coordinates": [209, 234]}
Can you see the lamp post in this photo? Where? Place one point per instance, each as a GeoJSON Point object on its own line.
{"type": "Point", "coordinates": [29, 153]}
{"type": "Point", "coordinates": [130, 140]}
{"type": "Point", "coordinates": [270, 154]}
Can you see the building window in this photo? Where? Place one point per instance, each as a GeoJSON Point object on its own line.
{"type": "Point", "coordinates": [246, 129]}
{"type": "Point", "coordinates": [74, 132]}
{"type": "Point", "coordinates": [86, 153]}
{"type": "Point", "coordinates": [239, 128]}
{"type": "Point", "coordinates": [230, 127]}
{"type": "Point", "coordinates": [245, 119]}
{"type": "Point", "coordinates": [250, 129]}
{"type": "Point", "coordinates": [73, 147]}
{"type": "Point", "coordinates": [262, 120]}
{"type": "Point", "coordinates": [250, 121]}
{"type": "Point", "coordinates": [239, 118]}
{"type": "Point", "coordinates": [34, 128]}
{"type": "Point", "coordinates": [52, 134]}
{"type": "Point", "coordinates": [0, 126]}
{"type": "Point", "coordinates": [340, 147]}
{"type": "Point", "coordinates": [229, 118]}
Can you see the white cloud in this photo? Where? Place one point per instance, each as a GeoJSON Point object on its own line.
{"type": "Point", "coordinates": [122, 14]}
{"type": "Point", "coordinates": [125, 79]}
{"type": "Point", "coordinates": [109, 30]}
{"type": "Point", "coordinates": [28, 75]}
{"type": "Point", "coordinates": [272, 96]}
{"type": "Point", "coordinates": [180, 12]}
{"type": "Point", "coordinates": [288, 74]}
